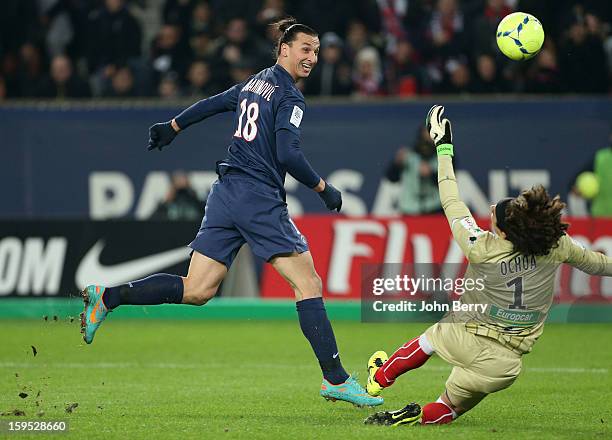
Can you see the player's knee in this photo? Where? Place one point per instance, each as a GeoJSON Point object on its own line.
{"type": "Point", "coordinates": [312, 286]}
{"type": "Point", "coordinates": [200, 295]}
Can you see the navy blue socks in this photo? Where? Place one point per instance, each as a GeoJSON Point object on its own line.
{"type": "Point", "coordinates": [160, 288]}
{"type": "Point", "coordinates": [318, 330]}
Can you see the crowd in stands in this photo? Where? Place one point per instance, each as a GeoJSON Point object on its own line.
{"type": "Point", "coordinates": [195, 48]}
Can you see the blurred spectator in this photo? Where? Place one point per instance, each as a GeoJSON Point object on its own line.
{"type": "Point", "coordinates": [241, 71]}
{"type": "Point", "coordinates": [200, 45]}
{"type": "Point", "coordinates": [238, 45]}
{"type": "Point", "coordinates": [168, 53]}
{"type": "Point", "coordinates": [485, 26]}
{"type": "Point", "coordinates": [169, 87]}
{"type": "Point", "coordinates": [543, 76]}
{"type": "Point", "coordinates": [201, 19]}
{"type": "Point", "coordinates": [178, 12]}
{"type": "Point", "coordinates": [356, 39]}
{"type": "Point", "coordinates": [487, 78]}
{"type": "Point", "coordinates": [2, 89]}
{"type": "Point", "coordinates": [416, 170]}
{"type": "Point", "coordinates": [367, 73]}
{"type": "Point", "coordinates": [418, 42]}
{"type": "Point", "coordinates": [121, 84]}
{"type": "Point", "coordinates": [416, 21]}
{"type": "Point", "coordinates": [457, 78]}
{"type": "Point", "coordinates": [66, 24]}
{"type": "Point", "coordinates": [271, 11]}
{"type": "Point", "coordinates": [31, 70]}
{"type": "Point", "coordinates": [332, 75]}
{"type": "Point", "coordinates": [404, 72]}
{"type": "Point", "coordinates": [200, 81]}
{"type": "Point", "coordinates": [114, 36]}
{"type": "Point", "coordinates": [62, 82]}
{"type": "Point", "coordinates": [181, 202]}
{"type": "Point", "coordinates": [583, 60]}
{"type": "Point", "coordinates": [446, 34]}
{"type": "Point", "coordinates": [392, 15]}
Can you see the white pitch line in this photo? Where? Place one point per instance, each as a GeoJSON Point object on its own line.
{"type": "Point", "coordinates": [169, 365]}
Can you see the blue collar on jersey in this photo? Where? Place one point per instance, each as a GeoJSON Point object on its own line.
{"type": "Point", "coordinates": [280, 69]}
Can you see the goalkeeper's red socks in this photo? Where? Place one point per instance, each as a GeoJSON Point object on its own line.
{"type": "Point", "coordinates": [409, 356]}
{"type": "Point", "coordinates": [437, 413]}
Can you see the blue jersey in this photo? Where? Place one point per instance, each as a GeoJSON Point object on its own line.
{"type": "Point", "coordinates": [267, 102]}
{"type": "Point", "coordinates": [266, 140]}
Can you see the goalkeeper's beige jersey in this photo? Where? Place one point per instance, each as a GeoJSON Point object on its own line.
{"type": "Point", "coordinates": [518, 289]}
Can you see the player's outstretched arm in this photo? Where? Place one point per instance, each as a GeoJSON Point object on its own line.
{"type": "Point", "coordinates": [459, 217]}
{"type": "Point", "coordinates": [163, 133]}
{"type": "Point", "coordinates": [591, 262]}
{"type": "Point", "coordinates": [441, 133]}
{"type": "Point", "coordinates": [290, 155]}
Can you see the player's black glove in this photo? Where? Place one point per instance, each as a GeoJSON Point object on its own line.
{"type": "Point", "coordinates": [440, 130]}
{"type": "Point", "coordinates": [160, 135]}
{"type": "Point", "coordinates": [332, 197]}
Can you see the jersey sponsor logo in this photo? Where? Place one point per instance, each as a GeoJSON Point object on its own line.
{"type": "Point", "coordinates": [296, 116]}
{"type": "Point", "coordinates": [515, 318]}
{"type": "Point", "coordinates": [92, 270]}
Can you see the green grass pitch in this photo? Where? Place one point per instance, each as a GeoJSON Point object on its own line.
{"type": "Point", "coordinates": [257, 379]}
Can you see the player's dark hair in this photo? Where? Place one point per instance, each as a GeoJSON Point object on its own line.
{"type": "Point", "coordinates": [533, 222]}
{"type": "Point", "coordinates": [288, 28]}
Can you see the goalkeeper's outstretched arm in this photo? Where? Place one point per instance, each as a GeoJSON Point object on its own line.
{"type": "Point", "coordinates": [459, 217]}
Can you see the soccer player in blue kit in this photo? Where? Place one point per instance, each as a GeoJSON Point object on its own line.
{"type": "Point", "coordinates": [247, 204]}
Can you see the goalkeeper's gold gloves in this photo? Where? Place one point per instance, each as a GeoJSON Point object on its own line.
{"type": "Point", "coordinates": [440, 131]}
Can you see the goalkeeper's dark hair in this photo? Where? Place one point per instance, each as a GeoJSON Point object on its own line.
{"type": "Point", "coordinates": [288, 29]}
{"type": "Point", "coordinates": [533, 222]}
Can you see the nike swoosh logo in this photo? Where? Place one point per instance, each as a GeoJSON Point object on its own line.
{"type": "Point", "coordinates": [335, 355]}
{"type": "Point", "coordinates": [90, 269]}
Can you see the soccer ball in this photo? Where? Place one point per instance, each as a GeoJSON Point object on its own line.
{"type": "Point", "coordinates": [520, 36]}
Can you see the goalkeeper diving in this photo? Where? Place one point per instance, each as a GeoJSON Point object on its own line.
{"type": "Point", "coordinates": [517, 259]}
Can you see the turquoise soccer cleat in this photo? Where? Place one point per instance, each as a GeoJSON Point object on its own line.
{"type": "Point", "coordinates": [94, 313]}
{"type": "Point", "coordinates": [349, 391]}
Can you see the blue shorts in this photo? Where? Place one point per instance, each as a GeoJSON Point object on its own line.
{"type": "Point", "coordinates": [239, 210]}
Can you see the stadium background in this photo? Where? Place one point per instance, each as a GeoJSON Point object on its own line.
{"type": "Point", "coordinates": [81, 81]}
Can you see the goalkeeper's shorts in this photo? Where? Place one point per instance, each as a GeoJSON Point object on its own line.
{"type": "Point", "coordinates": [481, 365]}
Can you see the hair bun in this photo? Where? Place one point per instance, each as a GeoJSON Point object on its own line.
{"type": "Point", "coordinates": [286, 23]}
